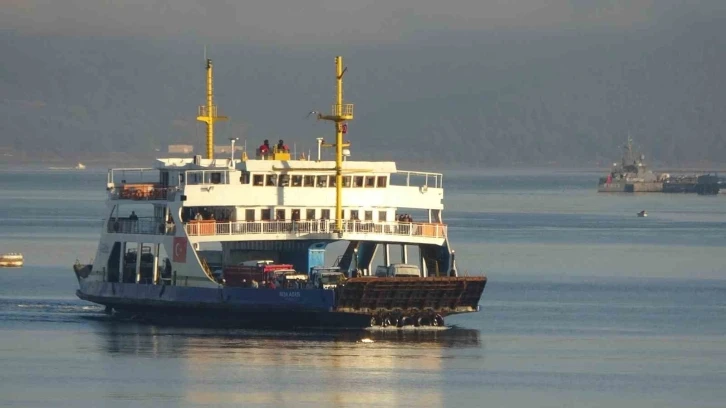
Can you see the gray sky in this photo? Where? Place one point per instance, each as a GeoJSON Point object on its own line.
{"type": "Point", "coordinates": [314, 21]}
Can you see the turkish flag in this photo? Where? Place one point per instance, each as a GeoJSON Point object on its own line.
{"type": "Point", "coordinates": [180, 250]}
{"type": "Point", "coordinates": [344, 128]}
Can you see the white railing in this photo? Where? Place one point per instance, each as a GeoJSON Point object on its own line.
{"type": "Point", "coordinates": [147, 226]}
{"type": "Point", "coordinates": [132, 175]}
{"type": "Point", "coordinates": [302, 228]}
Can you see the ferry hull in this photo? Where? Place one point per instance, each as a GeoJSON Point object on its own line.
{"type": "Point", "coordinates": [222, 307]}
{"type": "Point", "coordinates": [630, 187]}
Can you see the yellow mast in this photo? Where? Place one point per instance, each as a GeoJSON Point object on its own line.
{"type": "Point", "coordinates": [340, 113]}
{"type": "Point", "coordinates": [208, 112]}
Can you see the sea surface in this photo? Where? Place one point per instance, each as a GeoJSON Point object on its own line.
{"type": "Point", "coordinates": [587, 305]}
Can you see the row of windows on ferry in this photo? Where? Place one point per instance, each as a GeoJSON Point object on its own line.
{"type": "Point", "coordinates": [287, 180]}
{"type": "Point", "coordinates": [279, 214]}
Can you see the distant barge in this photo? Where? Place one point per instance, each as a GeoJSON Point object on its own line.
{"type": "Point", "coordinates": [631, 175]}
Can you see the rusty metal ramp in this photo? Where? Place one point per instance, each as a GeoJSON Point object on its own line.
{"type": "Point", "coordinates": [442, 295]}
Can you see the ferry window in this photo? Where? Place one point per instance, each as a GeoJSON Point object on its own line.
{"type": "Point", "coordinates": [164, 178]}
{"type": "Point", "coordinates": [250, 215]}
{"type": "Point", "coordinates": [370, 181]}
{"type": "Point", "coordinates": [325, 214]}
{"type": "Point", "coordinates": [265, 214]}
{"type": "Point", "coordinates": [280, 215]}
{"type": "Point", "coordinates": [258, 179]}
{"type": "Point", "coordinates": [296, 214]}
{"type": "Point", "coordinates": [285, 180]}
{"type": "Point", "coordinates": [358, 182]}
{"type": "Point", "coordinates": [381, 216]}
{"type": "Point", "coordinates": [322, 181]}
{"type": "Point", "coordinates": [309, 181]}
{"type": "Point", "coordinates": [310, 214]}
{"type": "Point", "coordinates": [331, 181]}
{"type": "Point", "coordinates": [346, 181]}
{"type": "Point", "coordinates": [216, 178]}
{"type": "Point", "coordinates": [271, 179]}
{"type": "Point", "coordinates": [245, 177]}
{"type": "Point", "coordinates": [353, 214]}
{"type": "Point", "coordinates": [296, 181]}
{"type": "Point", "coordinates": [381, 181]}
{"type": "Point", "coordinates": [369, 215]}
{"type": "Point", "coordinates": [181, 178]}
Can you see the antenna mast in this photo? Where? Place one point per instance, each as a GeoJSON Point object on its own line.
{"type": "Point", "coordinates": [340, 113]}
{"type": "Point", "coordinates": [208, 112]}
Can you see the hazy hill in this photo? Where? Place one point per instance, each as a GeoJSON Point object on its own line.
{"type": "Point", "coordinates": [493, 99]}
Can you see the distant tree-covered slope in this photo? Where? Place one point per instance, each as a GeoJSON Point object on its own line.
{"type": "Point", "coordinates": [485, 98]}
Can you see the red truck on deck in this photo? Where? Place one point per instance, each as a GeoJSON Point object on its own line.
{"type": "Point", "coordinates": [235, 275]}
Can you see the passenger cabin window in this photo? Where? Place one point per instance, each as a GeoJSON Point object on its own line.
{"type": "Point", "coordinates": [164, 178]}
{"type": "Point", "coordinates": [295, 214]}
{"type": "Point", "coordinates": [250, 215]}
{"type": "Point", "coordinates": [381, 181]}
{"type": "Point", "coordinates": [181, 178]}
{"type": "Point", "coordinates": [310, 214]}
{"type": "Point", "coordinates": [325, 214]}
{"type": "Point", "coordinates": [358, 181]}
{"type": "Point", "coordinates": [245, 177]}
{"type": "Point", "coordinates": [296, 181]}
{"type": "Point", "coordinates": [369, 215]}
{"type": "Point", "coordinates": [271, 179]}
{"type": "Point", "coordinates": [370, 181]}
{"type": "Point", "coordinates": [258, 179]}
{"type": "Point", "coordinates": [346, 181]}
{"type": "Point", "coordinates": [280, 214]}
{"type": "Point", "coordinates": [322, 181]}
{"type": "Point", "coordinates": [354, 215]}
{"type": "Point", "coordinates": [285, 180]}
{"type": "Point", "coordinates": [216, 178]}
{"type": "Point", "coordinates": [265, 214]}
{"type": "Point", "coordinates": [381, 216]}
{"type": "Point", "coordinates": [309, 181]}
{"type": "Point", "coordinates": [331, 181]}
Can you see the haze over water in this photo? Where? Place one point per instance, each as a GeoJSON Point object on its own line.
{"type": "Point", "coordinates": [587, 305]}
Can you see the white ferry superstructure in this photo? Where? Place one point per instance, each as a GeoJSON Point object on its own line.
{"type": "Point", "coordinates": [277, 209]}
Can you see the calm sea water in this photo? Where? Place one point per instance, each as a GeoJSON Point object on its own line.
{"type": "Point", "coordinates": [587, 305]}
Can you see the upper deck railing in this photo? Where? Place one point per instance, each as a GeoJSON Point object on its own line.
{"type": "Point", "coordinates": [304, 227]}
{"type": "Point", "coordinates": [141, 225]}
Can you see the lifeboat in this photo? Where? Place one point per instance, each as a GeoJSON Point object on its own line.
{"type": "Point", "coordinates": [11, 260]}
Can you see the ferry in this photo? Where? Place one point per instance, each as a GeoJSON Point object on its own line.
{"type": "Point", "coordinates": [244, 240]}
{"type": "Point", "coordinates": [12, 260]}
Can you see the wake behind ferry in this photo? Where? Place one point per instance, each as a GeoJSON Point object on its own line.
{"type": "Point", "coordinates": [242, 241]}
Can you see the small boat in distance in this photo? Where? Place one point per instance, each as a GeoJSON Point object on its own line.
{"type": "Point", "coordinates": [79, 166]}
{"type": "Point", "coordinates": [642, 214]}
{"type": "Point", "coordinates": [11, 260]}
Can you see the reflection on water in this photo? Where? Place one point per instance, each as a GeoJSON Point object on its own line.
{"type": "Point", "coordinates": [326, 368]}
